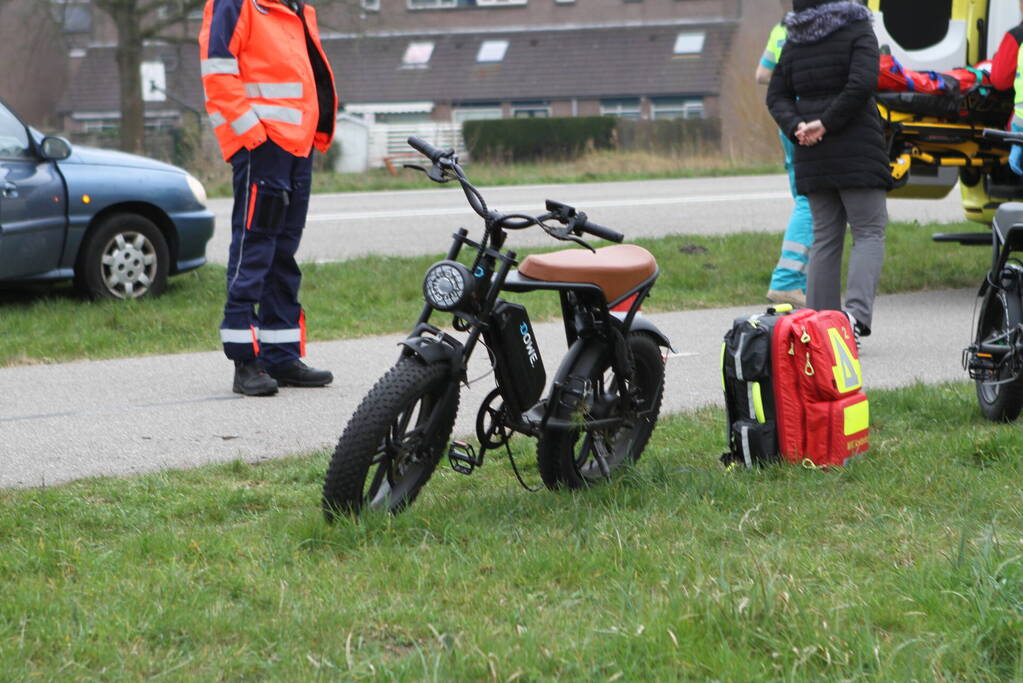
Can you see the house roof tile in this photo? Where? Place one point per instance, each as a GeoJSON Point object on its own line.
{"type": "Point", "coordinates": [539, 64]}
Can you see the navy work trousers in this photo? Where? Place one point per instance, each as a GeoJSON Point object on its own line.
{"type": "Point", "coordinates": [262, 316]}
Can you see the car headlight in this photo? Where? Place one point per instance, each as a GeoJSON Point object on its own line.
{"type": "Point", "coordinates": [198, 191]}
{"type": "Point", "coordinates": [447, 285]}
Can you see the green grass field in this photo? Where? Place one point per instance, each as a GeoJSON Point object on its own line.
{"type": "Point", "coordinates": [905, 565]}
{"type": "Point", "coordinates": [380, 294]}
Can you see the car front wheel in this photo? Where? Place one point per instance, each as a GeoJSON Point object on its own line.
{"type": "Point", "coordinates": [125, 258]}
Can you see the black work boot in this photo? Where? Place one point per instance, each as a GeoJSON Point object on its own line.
{"type": "Point", "coordinates": [298, 374]}
{"type": "Point", "coordinates": [251, 379]}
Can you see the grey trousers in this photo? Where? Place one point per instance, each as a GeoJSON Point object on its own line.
{"type": "Point", "coordinates": [866, 213]}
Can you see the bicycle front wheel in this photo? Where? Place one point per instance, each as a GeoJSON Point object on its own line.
{"type": "Point", "coordinates": [393, 442]}
{"type": "Point", "coordinates": [1001, 395]}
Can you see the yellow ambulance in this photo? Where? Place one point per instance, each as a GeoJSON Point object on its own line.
{"type": "Point", "coordinates": [939, 35]}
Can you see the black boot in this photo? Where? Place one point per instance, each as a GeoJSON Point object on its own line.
{"type": "Point", "coordinates": [251, 379]}
{"type": "Point", "coordinates": [298, 374]}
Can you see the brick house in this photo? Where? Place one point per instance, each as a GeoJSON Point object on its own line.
{"type": "Point", "coordinates": [447, 61]}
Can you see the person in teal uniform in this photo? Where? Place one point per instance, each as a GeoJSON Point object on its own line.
{"type": "Point", "coordinates": [788, 280]}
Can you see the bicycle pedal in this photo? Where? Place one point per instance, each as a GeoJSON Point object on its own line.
{"type": "Point", "coordinates": [462, 457]}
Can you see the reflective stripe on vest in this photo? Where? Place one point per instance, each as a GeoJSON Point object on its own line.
{"type": "Point", "coordinates": [272, 112]}
{"type": "Point", "coordinates": [274, 91]}
{"type": "Point", "coordinates": [219, 65]}
{"type": "Point", "coordinates": [246, 121]}
{"type": "Point", "coordinates": [291, 336]}
{"type": "Point", "coordinates": [1019, 84]}
{"type": "Point", "coordinates": [217, 119]}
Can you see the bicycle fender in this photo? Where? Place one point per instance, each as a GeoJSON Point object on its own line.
{"type": "Point", "coordinates": [640, 323]}
{"type": "Point", "coordinates": [432, 350]}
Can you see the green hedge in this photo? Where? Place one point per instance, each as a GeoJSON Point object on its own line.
{"type": "Point", "coordinates": [518, 140]}
{"type": "Point", "coordinates": [537, 139]}
{"type": "Point", "coordinates": [670, 136]}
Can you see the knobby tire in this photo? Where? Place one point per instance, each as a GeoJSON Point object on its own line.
{"type": "Point", "coordinates": [381, 446]}
{"type": "Point", "coordinates": [563, 455]}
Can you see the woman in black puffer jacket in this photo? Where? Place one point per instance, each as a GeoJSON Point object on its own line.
{"type": "Point", "coordinates": [822, 96]}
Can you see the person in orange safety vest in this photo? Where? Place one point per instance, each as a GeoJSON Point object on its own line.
{"type": "Point", "coordinates": [271, 100]}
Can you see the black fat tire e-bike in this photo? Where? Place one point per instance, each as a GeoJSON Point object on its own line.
{"type": "Point", "coordinates": [603, 401]}
{"type": "Point", "coordinates": [995, 358]}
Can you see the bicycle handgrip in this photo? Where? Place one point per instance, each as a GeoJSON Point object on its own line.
{"type": "Point", "coordinates": [429, 151]}
{"type": "Point", "coordinates": [1011, 137]}
{"type": "Point", "coordinates": [601, 231]}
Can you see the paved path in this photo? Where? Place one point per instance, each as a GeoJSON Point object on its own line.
{"type": "Point", "coordinates": [410, 222]}
{"type": "Point", "coordinates": [117, 417]}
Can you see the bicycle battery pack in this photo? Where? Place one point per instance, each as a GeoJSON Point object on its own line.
{"type": "Point", "coordinates": [518, 366]}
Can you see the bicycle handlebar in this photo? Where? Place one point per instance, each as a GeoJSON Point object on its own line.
{"type": "Point", "coordinates": [576, 221]}
{"type": "Point", "coordinates": [425, 148]}
{"type": "Point", "coordinates": [600, 231]}
{"type": "Point", "coordinates": [1012, 137]}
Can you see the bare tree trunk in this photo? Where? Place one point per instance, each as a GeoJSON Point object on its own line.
{"type": "Point", "coordinates": [129, 63]}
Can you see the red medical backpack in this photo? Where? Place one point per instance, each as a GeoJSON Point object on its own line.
{"type": "Point", "coordinates": [793, 389]}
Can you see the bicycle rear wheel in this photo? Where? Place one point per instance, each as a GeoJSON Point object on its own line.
{"type": "Point", "coordinates": [577, 458]}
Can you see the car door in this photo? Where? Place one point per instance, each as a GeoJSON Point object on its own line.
{"type": "Point", "coordinates": [33, 216]}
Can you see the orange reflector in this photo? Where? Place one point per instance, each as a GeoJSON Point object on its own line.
{"type": "Point", "coordinates": [86, 199]}
{"type": "Point", "coordinates": [984, 355]}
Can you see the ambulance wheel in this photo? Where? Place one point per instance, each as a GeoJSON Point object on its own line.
{"type": "Point", "coordinates": [125, 257]}
{"type": "Point", "coordinates": [577, 458]}
{"type": "Point", "coordinates": [1001, 398]}
{"type": "Point", "coordinates": [384, 457]}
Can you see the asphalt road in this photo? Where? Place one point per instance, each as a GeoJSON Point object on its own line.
{"type": "Point", "coordinates": [118, 417]}
{"type": "Point", "coordinates": [343, 226]}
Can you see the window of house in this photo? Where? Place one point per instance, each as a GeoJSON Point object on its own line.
{"type": "Point", "coordinates": [154, 81]}
{"type": "Point", "coordinates": [370, 5]}
{"type": "Point", "coordinates": [431, 4]}
{"type": "Point", "coordinates": [677, 108]}
{"type": "Point", "coordinates": [77, 18]}
{"type": "Point", "coordinates": [492, 51]}
{"type": "Point", "coordinates": [564, 2]}
{"type": "Point", "coordinates": [99, 125]}
{"type": "Point", "coordinates": [689, 43]}
{"type": "Point", "coordinates": [531, 110]}
{"type": "Point", "coordinates": [417, 54]}
{"type": "Point", "coordinates": [491, 3]}
{"type": "Point", "coordinates": [176, 8]}
{"type": "Point", "coordinates": [626, 108]}
{"type": "Point", "coordinates": [476, 112]}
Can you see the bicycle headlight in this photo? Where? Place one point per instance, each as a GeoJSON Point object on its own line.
{"type": "Point", "coordinates": [447, 285]}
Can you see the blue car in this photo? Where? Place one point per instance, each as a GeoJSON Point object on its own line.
{"type": "Point", "coordinates": [116, 224]}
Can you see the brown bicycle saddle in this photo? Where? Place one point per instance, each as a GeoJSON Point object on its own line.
{"type": "Point", "coordinates": [616, 269]}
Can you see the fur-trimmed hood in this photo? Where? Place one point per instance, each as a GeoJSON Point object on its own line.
{"type": "Point", "coordinates": [817, 23]}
